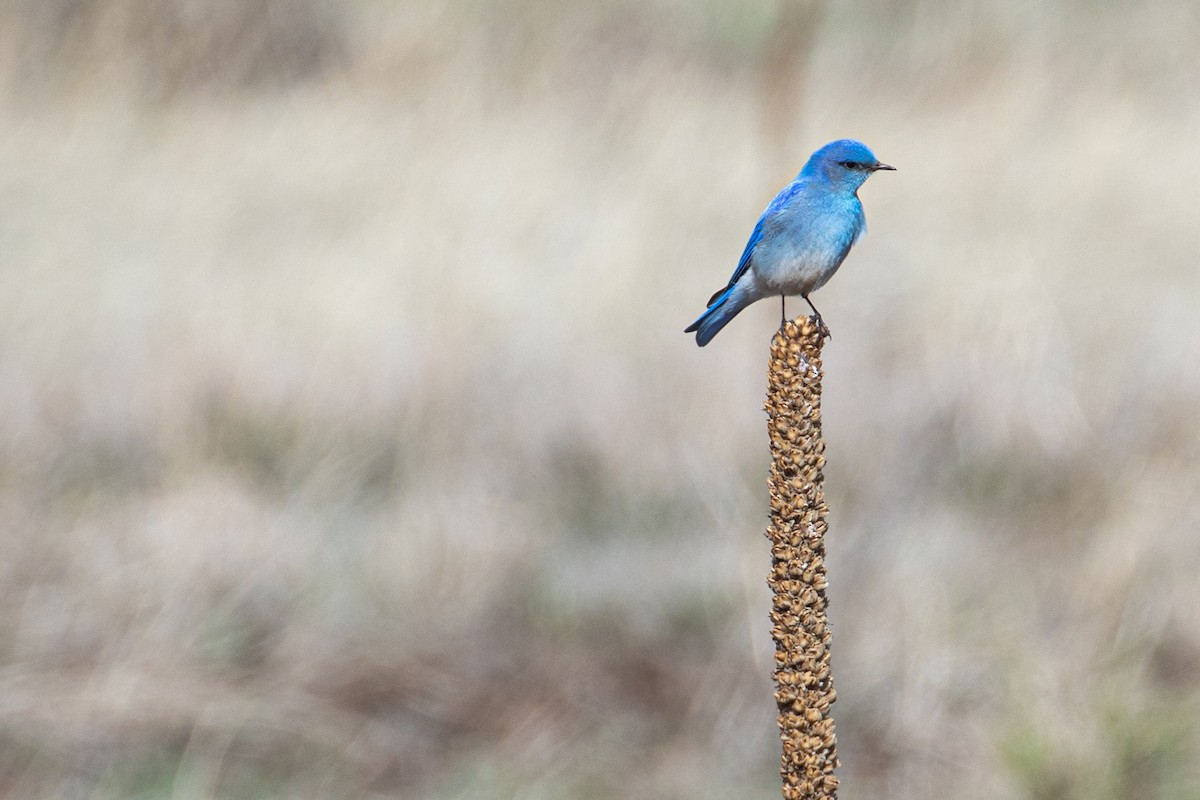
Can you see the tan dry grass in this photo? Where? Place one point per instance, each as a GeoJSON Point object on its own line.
{"type": "Point", "coordinates": [350, 445]}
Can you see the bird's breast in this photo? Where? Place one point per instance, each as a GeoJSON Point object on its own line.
{"type": "Point", "coordinates": [802, 253]}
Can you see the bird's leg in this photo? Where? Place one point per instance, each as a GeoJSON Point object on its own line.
{"type": "Point", "coordinates": [782, 310]}
{"type": "Point", "coordinates": [822, 328]}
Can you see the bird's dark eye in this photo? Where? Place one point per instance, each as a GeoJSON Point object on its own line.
{"type": "Point", "coordinates": [851, 164]}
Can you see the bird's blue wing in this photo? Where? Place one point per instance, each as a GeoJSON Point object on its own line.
{"type": "Point", "coordinates": [744, 263]}
{"type": "Point", "coordinates": [780, 200]}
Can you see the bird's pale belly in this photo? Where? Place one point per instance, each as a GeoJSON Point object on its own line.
{"type": "Point", "coordinates": [800, 274]}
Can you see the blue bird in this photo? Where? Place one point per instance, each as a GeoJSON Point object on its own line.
{"type": "Point", "coordinates": [801, 239]}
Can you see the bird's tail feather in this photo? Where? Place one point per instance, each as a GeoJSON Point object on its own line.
{"type": "Point", "coordinates": [724, 307]}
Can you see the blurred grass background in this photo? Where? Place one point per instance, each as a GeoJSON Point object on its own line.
{"type": "Point", "coordinates": [350, 446]}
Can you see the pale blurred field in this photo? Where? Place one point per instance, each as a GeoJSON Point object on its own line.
{"type": "Point", "coordinates": [350, 445]}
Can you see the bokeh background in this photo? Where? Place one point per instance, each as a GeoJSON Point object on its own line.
{"type": "Point", "coordinates": [350, 445]}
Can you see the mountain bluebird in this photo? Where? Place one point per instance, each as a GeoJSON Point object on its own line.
{"type": "Point", "coordinates": [802, 237]}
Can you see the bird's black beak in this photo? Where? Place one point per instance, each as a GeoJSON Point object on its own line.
{"type": "Point", "coordinates": [880, 165]}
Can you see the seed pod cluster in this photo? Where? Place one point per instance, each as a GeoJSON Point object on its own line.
{"type": "Point", "coordinates": [804, 685]}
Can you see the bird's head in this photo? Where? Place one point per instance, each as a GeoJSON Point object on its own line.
{"type": "Point", "coordinates": [843, 163]}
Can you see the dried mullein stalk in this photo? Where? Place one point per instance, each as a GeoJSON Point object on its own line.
{"type": "Point", "coordinates": [803, 682]}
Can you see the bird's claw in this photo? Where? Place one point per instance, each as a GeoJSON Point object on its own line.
{"type": "Point", "coordinates": [822, 328]}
